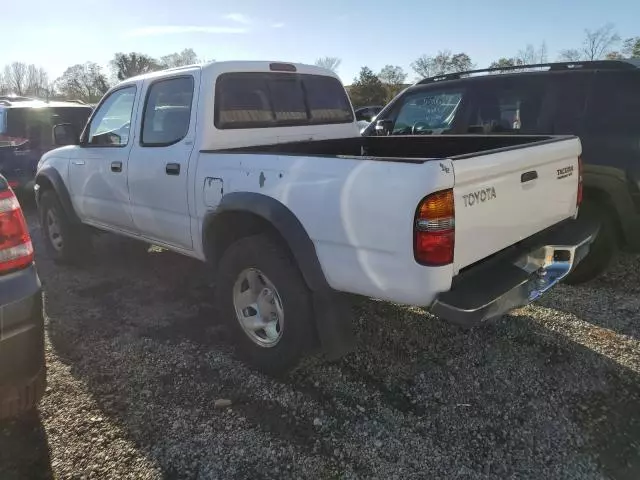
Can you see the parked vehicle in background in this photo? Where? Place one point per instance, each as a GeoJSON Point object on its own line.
{"type": "Point", "coordinates": [367, 113]}
{"type": "Point", "coordinates": [25, 134]}
{"type": "Point", "coordinates": [22, 364]}
{"type": "Point", "coordinates": [599, 101]}
{"type": "Point", "coordinates": [258, 169]}
{"type": "Point", "coordinates": [364, 116]}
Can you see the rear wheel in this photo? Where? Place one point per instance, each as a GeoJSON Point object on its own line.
{"type": "Point", "coordinates": [602, 250]}
{"type": "Point", "coordinates": [65, 242]}
{"type": "Point", "coordinates": [261, 293]}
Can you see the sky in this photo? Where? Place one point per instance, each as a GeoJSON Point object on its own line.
{"type": "Point", "coordinates": [56, 35]}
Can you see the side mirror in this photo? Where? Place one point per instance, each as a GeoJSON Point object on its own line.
{"type": "Point", "coordinates": [65, 134]}
{"type": "Point", "coordinates": [383, 127]}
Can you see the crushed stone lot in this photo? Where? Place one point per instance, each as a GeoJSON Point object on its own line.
{"type": "Point", "coordinates": [137, 359]}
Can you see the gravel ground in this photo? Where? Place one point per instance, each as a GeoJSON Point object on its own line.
{"type": "Point", "coordinates": [137, 361]}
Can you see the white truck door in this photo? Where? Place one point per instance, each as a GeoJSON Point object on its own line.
{"type": "Point", "coordinates": [158, 170]}
{"type": "Point", "coordinates": [98, 167]}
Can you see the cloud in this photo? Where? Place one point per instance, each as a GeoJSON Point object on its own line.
{"type": "Point", "coordinates": [239, 18]}
{"type": "Point", "coordinates": [277, 25]}
{"type": "Point", "coordinates": [174, 29]}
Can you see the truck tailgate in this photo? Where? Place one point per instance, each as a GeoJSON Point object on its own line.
{"type": "Point", "coordinates": [503, 197]}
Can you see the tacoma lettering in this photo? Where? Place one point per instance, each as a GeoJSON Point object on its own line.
{"type": "Point", "coordinates": [565, 172]}
{"type": "Point", "coordinates": [480, 196]}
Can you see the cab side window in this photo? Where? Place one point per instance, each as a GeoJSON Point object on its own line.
{"type": "Point", "coordinates": [111, 124]}
{"type": "Point", "coordinates": [167, 112]}
{"type": "Point", "coordinates": [507, 106]}
{"type": "Point", "coordinates": [570, 101]}
{"type": "Point", "coordinates": [614, 105]}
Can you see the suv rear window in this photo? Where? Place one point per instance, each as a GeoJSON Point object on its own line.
{"type": "Point", "coordinates": [35, 124]}
{"type": "Point", "coordinates": [262, 100]}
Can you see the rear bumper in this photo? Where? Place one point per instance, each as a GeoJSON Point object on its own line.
{"type": "Point", "coordinates": [22, 361]}
{"type": "Point", "coordinates": [515, 276]}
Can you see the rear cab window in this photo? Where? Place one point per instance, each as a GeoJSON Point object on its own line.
{"type": "Point", "coordinates": [263, 100]}
{"type": "Point", "coordinates": [167, 112]}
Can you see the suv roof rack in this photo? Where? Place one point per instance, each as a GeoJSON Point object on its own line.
{"type": "Point", "coordinates": [556, 66]}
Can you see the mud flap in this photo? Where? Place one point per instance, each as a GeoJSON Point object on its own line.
{"type": "Point", "coordinates": [334, 324]}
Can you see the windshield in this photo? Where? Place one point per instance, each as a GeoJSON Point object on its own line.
{"type": "Point", "coordinates": [427, 112]}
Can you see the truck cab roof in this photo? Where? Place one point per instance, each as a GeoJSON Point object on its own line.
{"type": "Point", "coordinates": [254, 102]}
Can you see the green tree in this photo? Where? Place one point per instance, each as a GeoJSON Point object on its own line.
{"type": "Point", "coordinates": [393, 78]}
{"type": "Point", "coordinates": [367, 89]}
{"type": "Point", "coordinates": [127, 65]}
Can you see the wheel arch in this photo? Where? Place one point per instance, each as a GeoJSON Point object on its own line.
{"type": "Point", "coordinates": [245, 213]}
{"type": "Point", "coordinates": [50, 179]}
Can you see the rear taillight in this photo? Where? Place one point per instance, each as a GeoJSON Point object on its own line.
{"type": "Point", "coordinates": [434, 229]}
{"type": "Point", "coordinates": [579, 196]}
{"type": "Point", "coordinates": [16, 250]}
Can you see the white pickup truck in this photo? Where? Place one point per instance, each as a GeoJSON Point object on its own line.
{"type": "Point", "coordinates": [258, 168]}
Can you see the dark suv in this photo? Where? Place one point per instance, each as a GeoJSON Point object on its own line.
{"type": "Point", "coordinates": [598, 101]}
{"type": "Point", "coordinates": [22, 365]}
{"type": "Point", "coordinates": [25, 134]}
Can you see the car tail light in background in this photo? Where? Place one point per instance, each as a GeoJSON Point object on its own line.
{"type": "Point", "coordinates": [16, 250]}
{"type": "Point", "coordinates": [580, 180]}
{"type": "Point", "coordinates": [434, 229]}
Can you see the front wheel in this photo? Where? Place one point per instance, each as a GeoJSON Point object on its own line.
{"type": "Point", "coordinates": [65, 242]}
{"type": "Point", "coordinates": [603, 248]}
{"type": "Point", "coordinates": [262, 294]}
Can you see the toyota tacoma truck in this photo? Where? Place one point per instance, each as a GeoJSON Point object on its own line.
{"type": "Point", "coordinates": [258, 169]}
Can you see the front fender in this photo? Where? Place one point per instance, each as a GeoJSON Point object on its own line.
{"type": "Point", "coordinates": [48, 177]}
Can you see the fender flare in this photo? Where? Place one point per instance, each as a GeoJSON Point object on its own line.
{"type": "Point", "coordinates": [49, 175]}
{"type": "Point", "coordinates": [615, 187]}
{"type": "Point", "coordinates": [285, 223]}
{"type": "Point", "coordinates": [331, 310]}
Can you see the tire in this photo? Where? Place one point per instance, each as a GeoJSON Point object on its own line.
{"type": "Point", "coordinates": [70, 242]}
{"type": "Point", "coordinates": [260, 261]}
{"type": "Point", "coordinates": [603, 249]}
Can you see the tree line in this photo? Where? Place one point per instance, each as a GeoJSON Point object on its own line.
{"type": "Point", "coordinates": [88, 81]}
{"type": "Point", "coordinates": [603, 43]}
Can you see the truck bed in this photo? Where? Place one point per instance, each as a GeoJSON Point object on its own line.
{"type": "Point", "coordinates": [413, 149]}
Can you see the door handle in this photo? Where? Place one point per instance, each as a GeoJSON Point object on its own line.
{"type": "Point", "coordinates": [528, 176]}
{"type": "Point", "coordinates": [78, 162]}
{"type": "Point", "coordinates": [116, 167]}
{"type": "Point", "coordinates": [172, 169]}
